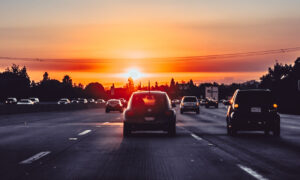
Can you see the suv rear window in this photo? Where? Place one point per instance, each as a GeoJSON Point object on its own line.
{"type": "Point", "coordinates": [189, 99]}
{"type": "Point", "coordinates": [255, 97]}
{"type": "Point", "coordinates": [149, 100]}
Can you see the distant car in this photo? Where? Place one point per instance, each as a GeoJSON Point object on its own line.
{"type": "Point", "coordinates": [64, 101]}
{"type": "Point", "coordinates": [11, 100]}
{"type": "Point", "coordinates": [149, 111]}
{"type": "Point", "coordinates": [25, 102]}
{"type": "Point", "coordinates": [82, 101]}
{"type": "Point", "coordinates": [35, 100]}
{"type": "Point", "coordinates": [74, 101]}
{"type": "Point", "coordinates": [114, 105]}
{"type": "Point", "coordinates": [225, 102]}
{"type": "Point", "coordinates": [211, 102]}
{"type": "Point", "coordinates": [253, 110]}
{"type": "Point", "coordinates": [202, 102]}
{"type": "Point", "coordinates": [100, 101]}
{"type": "Point", "coordinates": [91, 100]}
{"type": "Point", "coordinates": [176, 101]}
{"type": "Point", "coordinates": [189, 103]}
{"type": "Point", "coordinates": [124, 102]}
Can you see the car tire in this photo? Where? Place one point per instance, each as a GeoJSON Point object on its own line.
{"type": "Point", "coordinates": [231, 131]}
{"type": "Point", "coordinates": [107, 110]}
{"type": "Point", "coordinates": [206, 106]}
{"type": "Point", "coordinates": [197, 111]}
{"type": "Point", "coordinates": [181, 111]}
{"type": "Point", "coordinates": [276, 130]}
{"type": "Point", "coordinates": [217, 106]}
{"type": "Point", "coordinates": [172, 129]}
{"type": "Point", "coordinates": [126, 130]}
{"type": "Point", "coordinates": [266, 131]}
{"type": "Point", "coordinates": [121, 111]}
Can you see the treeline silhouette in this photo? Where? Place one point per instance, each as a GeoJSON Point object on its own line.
{"type": "Point", "coordinates": [282, 79]}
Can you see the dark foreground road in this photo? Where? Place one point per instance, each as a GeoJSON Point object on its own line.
{"type": "Point", "coordinates": [88, 144]}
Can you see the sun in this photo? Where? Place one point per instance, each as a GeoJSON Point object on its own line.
{"type": "Point", "coordinates": [134, 73]}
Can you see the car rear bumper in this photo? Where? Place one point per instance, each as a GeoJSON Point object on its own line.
{"type": "Point", "coordinates": [189, 108]}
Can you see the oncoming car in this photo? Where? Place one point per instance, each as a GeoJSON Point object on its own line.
{"type": "Point", "coordinates": [114, 105]}
{"type": "Point", "coordinates": [253, 110]}
{"type": "Point", "coordinates": [64, 101]}
{"type": "Point", "coordinates": [25, 102]}
{"type": "Point", "coordinates": [149, 110]}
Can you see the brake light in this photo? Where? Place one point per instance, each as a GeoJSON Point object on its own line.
{"type": "Point", "coordinates": [275, 106]}
{"type": "Point", "coordinates": [236, 105]}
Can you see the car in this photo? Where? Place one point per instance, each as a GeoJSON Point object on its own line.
{"type": "Point", "coordinates": [11, 100]}
{"type": "Point", "coordinates": [124, 102]}
{"type": "Point", "coordinates": [64, 101]}
{"type": "Point", "coordinates": [149, 110]}
{"type": "Point", "coordinates": [100, 101]}
{"type": "Point", "coordinates": [25, 102]}
{"type": "Point", "coordinates": [225, 102]}
{"type": "Point", "coordinates": [211, 102]}
{"type": "Point", "coordinates": [82, 101]}
{"type": "Point", "coordinates": [74, 101]}
{"type": "Point", "coordinates": [35, 100]}
{"type": "Point", "coordinates": [175, 101]}
{"type": "Point", "coordinates": [189, 103]}
{"type": "Point", "coordinates": [253, 109]}
{"type": "Point", "coordinates": [114, 105]}
{"type": "Point", "coordinates": [91, 100]}
{"type": "Point", "coordinates": [202, 102]}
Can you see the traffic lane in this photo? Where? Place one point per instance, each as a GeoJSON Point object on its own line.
{"type": "Point", "coordinates": [19, 141]}
{"type": "Point", "coordinates": [277, 157]}
{"type": "Point", "coordinates": [105, 154]}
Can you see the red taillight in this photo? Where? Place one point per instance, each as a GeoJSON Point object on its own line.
{"type": "Point", "coordinates": [168, 113]}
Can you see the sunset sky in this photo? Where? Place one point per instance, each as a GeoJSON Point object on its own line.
{"type": "Point", "coordinates": [94, 40]}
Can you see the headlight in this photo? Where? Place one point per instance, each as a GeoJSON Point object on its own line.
{"type": "Point", "coordinates": [236, 106]}
{"type": "Point", "coordinates": [275, 106]}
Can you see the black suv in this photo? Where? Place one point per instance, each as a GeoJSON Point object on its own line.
{"type": "Point", "coordinates": [253, 109]}
{"type": "Point", "coordinates": [149, 110]}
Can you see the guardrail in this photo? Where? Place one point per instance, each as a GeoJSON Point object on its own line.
{"type": "Point", "coordinates": [18, 109]}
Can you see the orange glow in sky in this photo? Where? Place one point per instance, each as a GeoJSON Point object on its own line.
{"type": "Point", "coordinates": [108, 41]}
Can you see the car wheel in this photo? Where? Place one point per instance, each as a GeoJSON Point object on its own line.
{"type": "Point", "coordinates": [126, 130]}
{"type": "Point", "coordinates": [172, 129]}
{"type": "Point", "coordinates": [276, 130]}
{"type": "Point", "coordinates": [217, 106]}
{"type": "Point", "coordinates": [181, 111]}
{"type": "Point", "coordinates": [231, 131]}
{"type": "Point", "coordinates": [266, 131]}
{"type": "Point", "coordinates": [206, 106]}
{"type": "Point", "coordinates": [107, 110]}
{"type": "Point", "coordinates": [121, 111]}
{"type": "Point", "coordinates": [197, 111]}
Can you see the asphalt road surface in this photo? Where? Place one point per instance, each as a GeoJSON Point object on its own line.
{"type": "Point", "coordinates": [88, 144]}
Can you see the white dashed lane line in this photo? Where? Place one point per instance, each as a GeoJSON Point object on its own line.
{"type": "Point", "coordinates": [35, 157]}
{"type": "Point", "coordinates": [251, 172]}
{"type": "Point", "coordinates": [72, 139]}
{"type": "Point", "coordinates": [84, 132]}
{"type": "Point", "coordinates": [196, 137]}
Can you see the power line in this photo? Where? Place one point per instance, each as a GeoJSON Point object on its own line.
{"type": "Point", "coordinates": [168, 59]}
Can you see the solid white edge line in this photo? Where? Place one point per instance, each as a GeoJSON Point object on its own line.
{"type": "Point", "coordinates": [196, 137]}
{"type": "Point", "coordinates": [84, 132]}
{"type": "Point", "coordinates": [35, 157]}
{"type": "Point", "coordinates": [251, 172]}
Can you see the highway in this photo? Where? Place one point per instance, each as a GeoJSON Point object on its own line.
{"type": "Point", "coordinates": [88, 144]}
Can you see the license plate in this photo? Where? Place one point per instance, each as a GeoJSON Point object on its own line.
{"type": "Point", "coordinates": [149, 118]}
{"type": "Point", "coordinates": [256, 109]}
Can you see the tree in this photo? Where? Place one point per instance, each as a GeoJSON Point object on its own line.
{"type": "Point", "coordinates": [95, 90]}
{"type": "Point", "coordinates": [46, 76]}
{"type": "Point", "coordinates": [67, 80]}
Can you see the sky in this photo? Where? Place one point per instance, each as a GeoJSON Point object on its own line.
{"type": "Point", "coordinates": [94, 40]}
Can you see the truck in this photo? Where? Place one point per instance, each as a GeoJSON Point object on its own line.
{"type": "Point", "coordinates": [212, 96]}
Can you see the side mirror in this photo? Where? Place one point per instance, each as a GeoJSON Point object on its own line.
{"type": "Point", "coordinates": [173, 105]}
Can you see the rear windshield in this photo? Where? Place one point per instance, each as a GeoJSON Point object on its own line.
{"type": "Point", "coordinates": [149, 100]}
{"type": "Point", "coordinates": [189, 99]}
{"type": "Point", "coordinates": [255, 97]}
